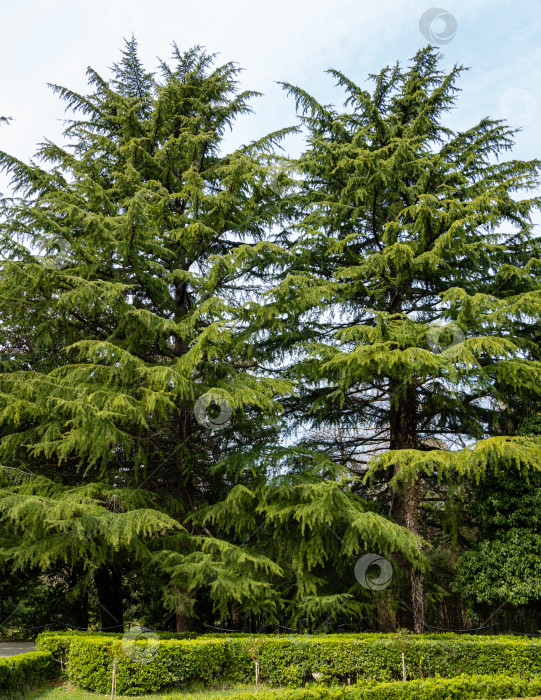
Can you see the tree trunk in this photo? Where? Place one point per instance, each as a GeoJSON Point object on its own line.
{"type": "Point", "coordinates": [406, 499]}
{"type": "Point", "coordinates": [412, 523]}
{"type": "Point", "coordinates": [108, 580]}
{"type": "Point", "coordinates": [234, 617]}
{"type": "Point", "coordinates": [184, 622]}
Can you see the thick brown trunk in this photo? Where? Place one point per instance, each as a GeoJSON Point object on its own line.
{"type": "Point", "coordinates": [185, 623]}
{"type": "Point", "coordinates": [182, 621]}
{"type": "Point", "coordinates": [417, 602]}
{"type": "Point", "coordinates": [234, 617]}
{"type": "Point", "coordinates": [406, 500]}
{"type": "Point", "coordinates": [411, 496]}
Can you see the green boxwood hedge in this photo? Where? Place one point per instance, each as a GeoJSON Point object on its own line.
{"type": "Point", "coordinates": [25, 670]}
{"type": "Point", "coordinates": [176, 663]}
{"type": "Point", "coordinates": [294, 661]}
{"type": "Point", "coordinates": [288, 660]}
{"type": "Point", "coordinates": [58, 643]}
{"type": "Point", "coordinates": [460, 688]}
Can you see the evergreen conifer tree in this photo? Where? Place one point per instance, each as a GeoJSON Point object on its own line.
{"type": "Point", "coordinates": [108, 273]}
{"type": "Point", "coordinates": [408, 285]}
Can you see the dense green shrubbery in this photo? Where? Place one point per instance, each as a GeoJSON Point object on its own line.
{"type": "Point", "coordinates": [175, 663]}
{"type": "Point", "coordinates": [293, 661]}
{"type": "Point", "coordinates": [24, 670]}
{"type": "Point", "coordinates": [287, 660]}
{"type": "Point", "coordinates": [459, 688]}
{"type": "Point", "coordinates": [59, 642]}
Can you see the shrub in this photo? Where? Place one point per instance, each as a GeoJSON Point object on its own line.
{"type": "Point", "coordinates": [58, 642]}
{"type": "Point", "coordinates": [25, 670]}
{"type": "Point", "coordinates": [175, 662]}
{"type": "Point", "coordinates": [290, 660]}
{"type": "Point", "coordinates": [459, 688]}
{"type": "Point", "coordinates": [293, 661]}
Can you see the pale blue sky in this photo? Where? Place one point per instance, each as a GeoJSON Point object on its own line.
{"type": "Point", "coordinates": [290, 40]}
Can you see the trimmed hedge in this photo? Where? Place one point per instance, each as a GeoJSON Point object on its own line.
{"type": "Point", "coordinates": [25, 670]}
{"type": "Point", "coordinates": [176, 662]}
{"type": "Point", "coordinates": [459, 688]}
{"type": "Point", "coordinates": [58, 643]}
{"type": "Point", "coordinates": [294, 661]}
{"type": "Point", "coordinates": [288, 660]}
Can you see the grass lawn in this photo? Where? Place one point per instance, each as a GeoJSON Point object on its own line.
{"type": "Point", "coordinates": [63, 690]}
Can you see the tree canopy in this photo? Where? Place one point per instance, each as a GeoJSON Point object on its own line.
{"type": "Point", "coordinates": [237, 372]}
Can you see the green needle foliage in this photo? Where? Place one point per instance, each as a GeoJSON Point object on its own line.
{"type": "Point", "coordinates": [313, 527]}
{"type": "Point", "coordinates": [96, 520]}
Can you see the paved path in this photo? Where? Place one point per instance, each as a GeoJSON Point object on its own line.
{"type": "Point", "coordinates": [12, 648]}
